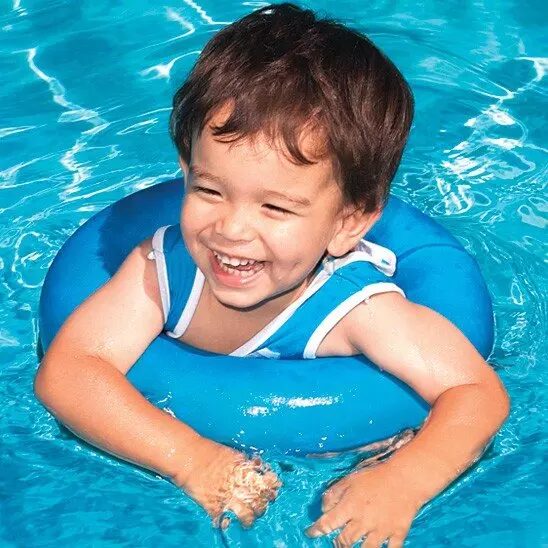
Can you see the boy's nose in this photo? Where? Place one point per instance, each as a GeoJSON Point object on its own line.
{"type": "Point", "coordinates": [235, 225]}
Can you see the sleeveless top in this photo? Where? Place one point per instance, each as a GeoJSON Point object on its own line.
{"type": "Point", "coordinates": [338, 286]}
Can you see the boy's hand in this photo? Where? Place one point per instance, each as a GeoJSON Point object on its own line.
{"type": "Point", "coordinates": [373, 503]}
{"type": "Point", "coordinates": [222, 479]}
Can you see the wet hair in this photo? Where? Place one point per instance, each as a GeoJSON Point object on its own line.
{"type": "Point", "coordinates": [285, 72]}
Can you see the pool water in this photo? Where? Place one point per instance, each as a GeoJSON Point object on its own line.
{"type": "Point", "coordinates": [86, 93]}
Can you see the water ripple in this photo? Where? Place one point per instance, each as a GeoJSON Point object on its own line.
{"type": "Point", "coordinates": [85, 110]}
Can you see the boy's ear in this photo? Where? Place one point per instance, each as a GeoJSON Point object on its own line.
{"type": "Point", "coordinates": [353, 225]}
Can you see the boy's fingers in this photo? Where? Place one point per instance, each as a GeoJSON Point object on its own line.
{"type": "Point", "coordinates": [349, 535]}
{"type": "Point", "coordinates": [397, 539]}
{"type": "Point", "coordinates": [272, 480]}
{"type": "Point", "coordinates": [215, 512]}
{"type": "Point", "coordinates": [330, 521]}
{"type": "Point", "coordinates": [267, 486]}
{"type": "Point", "coordinates": [331, 497]}
{"type": "Point", "coordinates": [260, 507]}
{"type": "Point", "coordinates": [271, 495]}
{"type": "Point", "coordinates": [244, 513]}
{"type": "Point", "coordinates": [224, 522]}
{"type": "Point", "coordinates": [373, 540]}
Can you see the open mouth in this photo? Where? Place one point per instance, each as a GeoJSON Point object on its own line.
{"type": "Point", "coordinates": [238, 266]}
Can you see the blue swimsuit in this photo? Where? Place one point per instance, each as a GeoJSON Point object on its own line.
{"type": "Point", "coordinates": [338, 286]}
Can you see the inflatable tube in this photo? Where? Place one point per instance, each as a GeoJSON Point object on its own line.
{"type": "Point", "coordinates": [302, 406]}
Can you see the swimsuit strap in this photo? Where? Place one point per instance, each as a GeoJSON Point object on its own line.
{"type": "Point", "coordinates": [340, 285]}
{"type": "Point", "coordinates": [180, 281]}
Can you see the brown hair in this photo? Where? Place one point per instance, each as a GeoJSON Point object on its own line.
{"type": "Point", "coordinates": [284, 71]}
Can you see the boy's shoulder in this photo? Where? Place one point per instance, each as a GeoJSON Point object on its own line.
{"type": "Point", "coordinates": [138, 270]}
{"type": "Point", "coordinates": [379, 308]}
{"type": "Point", "coordinates": [143, 252]}
{"type": "Point", "coordinates": [117, 322]}
{"type": "Point", "coordinates": [137, 278]}
{"type": "Point", "coordinates": [410, 341]}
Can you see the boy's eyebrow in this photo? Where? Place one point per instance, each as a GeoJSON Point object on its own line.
{"type": "Point", "coordinates": [203, 174]}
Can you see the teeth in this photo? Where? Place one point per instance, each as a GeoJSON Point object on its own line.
{"type": "Point", "coordinates": [240, 273]}
{"type": "Point", "coordinates": [233, 261]}
{"type": "Point", "coordinates": [228, 265]}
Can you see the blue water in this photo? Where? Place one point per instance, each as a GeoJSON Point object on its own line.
{"type": "Point", "coordinates": [85, 98]}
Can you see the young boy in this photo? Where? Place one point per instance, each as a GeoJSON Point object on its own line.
{"type": "Point", "coordinates": [289, 131]}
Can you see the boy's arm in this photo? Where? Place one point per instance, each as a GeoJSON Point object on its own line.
{"type": "Point", "coordinates": [82, 381]}
{"type": "Point", "coordinates": [82, 376]}
{"type": "Point", "coordinates": [427, 352]}
{"type": "Point", "coordinates": [433, 357]}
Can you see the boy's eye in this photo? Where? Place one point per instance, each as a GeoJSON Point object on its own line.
{"type": "Point", "coordinates": [278, 209]}
{"type": "Point", "coordinates": [211, 192]}
{"type": "Point", "coordinates": [205, 190]}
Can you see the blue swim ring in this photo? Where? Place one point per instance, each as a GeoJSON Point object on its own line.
{"type": "Point", "coordinates": [300, 406]}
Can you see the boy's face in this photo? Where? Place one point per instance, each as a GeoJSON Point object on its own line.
{"type": "Point", "coordinates": [256, 224]}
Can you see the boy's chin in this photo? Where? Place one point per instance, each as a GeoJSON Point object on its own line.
{"type": "Point", "coordinates": [231, 299]}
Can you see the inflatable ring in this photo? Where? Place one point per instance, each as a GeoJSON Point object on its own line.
{"type": "Point", "coordinates": [300, 406]}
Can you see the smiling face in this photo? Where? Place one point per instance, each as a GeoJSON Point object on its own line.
{"type": "Point", "coordinates": [256, 224]}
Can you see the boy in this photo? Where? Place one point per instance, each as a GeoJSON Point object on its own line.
{"type": "Point", "coordinates": [289, 131]}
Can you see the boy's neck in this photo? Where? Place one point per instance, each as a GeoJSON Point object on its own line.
{"type": "Point", "coordinates": [265, 311]}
